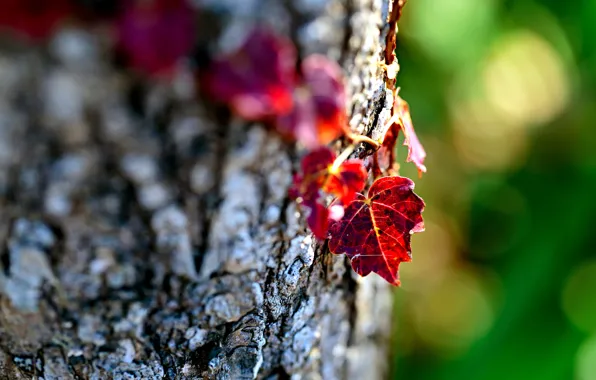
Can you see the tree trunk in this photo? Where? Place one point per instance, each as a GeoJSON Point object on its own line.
{"type": "Point", "coordinates": [146, 236]}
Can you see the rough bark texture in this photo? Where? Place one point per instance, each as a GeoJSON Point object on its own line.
{"type": "Point", "coordinates": [154, 239]}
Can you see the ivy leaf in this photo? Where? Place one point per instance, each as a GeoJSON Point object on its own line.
{"type": "Point", "coordinates": [318, 173]}
{"type": "Point", "coordinates": [257, 80]}
{"type": "Point", "coordinates": [318, 177]}
{"type": "Point", "coordinates": [346, 181]}
{"type": "Point", "coordinates": [314, 169]}
{"type": "Point", "coordinates": [317, 218]}
{"type": "Point", "coordinates": [375, 230]}
{"type": "Point", "coordinates": [153, 35]}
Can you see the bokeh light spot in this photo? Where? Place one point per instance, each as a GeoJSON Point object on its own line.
{"type": "Point", "coordinates": [525, 79]}
{"type": "Point", "coordinates": [434, 258]}
{"type": "Point", "coordinates": [450, 31]}
{"type": "Point", "coordinates": [585, 364]}
{"type": "Point", "coordinates": [578, 298]}
{"type": "Point", "coordinates": [455, 314]}
{"type": "Point", "coordinates": [483, 139]}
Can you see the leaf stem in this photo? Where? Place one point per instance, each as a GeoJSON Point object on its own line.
{"type": "Point", "coordinates": [356, 139]}
{"type": "Point", "coordinates": [342, 157]}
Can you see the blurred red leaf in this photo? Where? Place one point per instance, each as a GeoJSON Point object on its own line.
{"type": "Point", "coordinates": [375, 230]}
{"type": "Point", "coordinates": [315, 168]}
{"type": "Point", "coordinates": [257, 80]}
{"type": "Point", "coordinates": [33, 19]}
{"type": "Point", "coordinates": [318, 173]}
{"type": "Point", "coordinates": [319, 113]}
{"type": "Point", "coordinates": [318, 218]}
{"type": "Point", "coordinates": [324, 80]}
{"type": "Point", "coordinates": [318, 176]}
{"type": "Point", "coordinates": [345, 181]}
{"type": "Point", "coordinates": [260, 82]}
{"type": "Point", "coordinates": [154, 34]}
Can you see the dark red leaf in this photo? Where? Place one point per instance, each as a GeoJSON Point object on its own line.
{"type": "Point", "coordinates": [257, 81]}
{"type": "Point", "coordinates": [315, 165]}
{"type": "Point", "coordinates": [375, 230]}
{"type": "Point", "coordinates": [309, 182]}
{"type": "Point", "coordinates": [319, 177]}
{"type": "Point", "coordinates": [319, 174]}
{"type": "Point", "coordinates": [154, 34]}
{"type": "Point", "coordinates": [345, 181]}
{"type": "Point", "coordinates": [33, 19]}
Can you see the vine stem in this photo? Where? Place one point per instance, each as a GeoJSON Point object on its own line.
{"type": "Point", "coordinates": [342, 157]}
{"type": "Point", "coordinates": [356, 139]}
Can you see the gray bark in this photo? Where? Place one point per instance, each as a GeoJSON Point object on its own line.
{"type": "Point", "coordinates": [156, 240]}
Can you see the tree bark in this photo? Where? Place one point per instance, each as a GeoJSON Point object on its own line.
{"type": "Point", "coordinates": [146, 236]}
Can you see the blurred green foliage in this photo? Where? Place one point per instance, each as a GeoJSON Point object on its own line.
{"type": "Point", "coordinates": [503, 282]}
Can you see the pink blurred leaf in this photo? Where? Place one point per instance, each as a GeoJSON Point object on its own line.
{"type": "Point", "coordinates": [416, 152]}
{"type": "Point", "coordinates": [319, 113]}
{"type": "Point", "coordinates": [257, 80]}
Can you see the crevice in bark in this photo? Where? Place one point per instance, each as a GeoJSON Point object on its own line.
{"type": "Point", "coordinates": [5, 258]}
{"type": "Point", "coordinates": [351, 288]}
{"type": "Point", "coordinates": [279, 373]}
{"type": "Point", "coordinates": [364, 150]}
{"type": "Point", "coordinates": [349, 31]}
{"type": "Point", "coordinates": [135, 96]}
{"type": "Point", "coordinates": [201, 358]}
{"type": "Point", "coordinates": [212, 199]}
{"type": "Point", "coordinates": [297, 20]}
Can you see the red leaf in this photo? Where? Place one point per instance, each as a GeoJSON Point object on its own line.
{"type": "Point", "coordinates": [319, 174]}
{"type": "Point", "coordinates": [416, 153]}
{"type": "Point", "coordinates": [315, 165]}
{"type": "Point", "coordinates": [153, 35]}
{"type": "Point", "coordinates": [345, 181]}
{"type": "Point", "coordinates": [317, 219]}
{"type": "Point", "coordinates": [319, 113]}
{"type": "Point", "coordinates": [257, 80]}
{"type": "Point", "coordinates": [33, 19]}
{"type": "Point", "coordinates": [324, 80]}
{"type": "Point", "coordinates": [384, 158]}
{"type": "Point", "coordinates": [375, 231]}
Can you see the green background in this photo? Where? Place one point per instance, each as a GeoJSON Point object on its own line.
{"type": "Point", "coordinates": [503, 280]}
